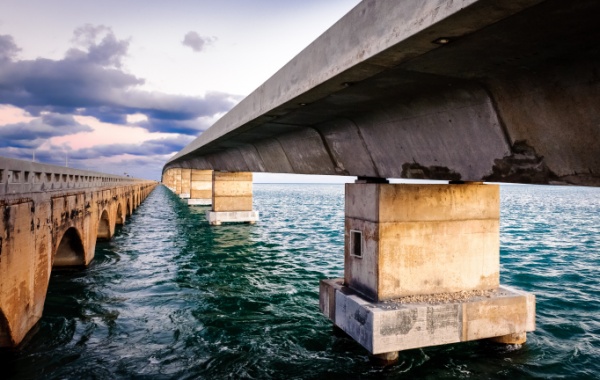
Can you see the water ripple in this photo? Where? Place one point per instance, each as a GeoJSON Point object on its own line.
{"type": "Point", "coordinates": [172, 298]}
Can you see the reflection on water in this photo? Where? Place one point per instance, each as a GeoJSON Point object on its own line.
{"type": "Point", "coordinates": [171, 297]}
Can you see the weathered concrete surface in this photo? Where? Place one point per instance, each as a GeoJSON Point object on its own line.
{"type": "Point", "coordinates": [168, 179]}
{"type": "Point", "coordinates": [177, 181]}
{"type": "Point", "coordinates": [511, 98]}
{"type": "Point", "coordinates": [421, 239]}
{"type": "Point", "coordinates": [186, 183]}
{"type": "Point", "coordinates": [383, 327]}
{"type": "Point", "coordinates": [201, 187]}
{"type": "Point", "coordinates": [199, 202]}
{"type": "Point", "coordinates": [51, 217]}
{"type": "Point", "coordinates": [232, 191]}
{"type": "Point", "coordinates": [231, 198]}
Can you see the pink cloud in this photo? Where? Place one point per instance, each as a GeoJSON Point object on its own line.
{"type": "Point", "coordinates": [105, 134]}
{"type": "Point", "coordinates": [12, 115]}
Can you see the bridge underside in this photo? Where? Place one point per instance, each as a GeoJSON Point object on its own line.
{"type": "Point", "coordinates": [512, 97]}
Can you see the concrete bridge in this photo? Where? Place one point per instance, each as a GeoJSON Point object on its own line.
{"type": "Point", "coordinates": [51, 217]}
{"type": "Point", "coordinates": [466, 91]}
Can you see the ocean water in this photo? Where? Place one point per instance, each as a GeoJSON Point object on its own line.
{"type": "Point", "coordinates": [172, 298]}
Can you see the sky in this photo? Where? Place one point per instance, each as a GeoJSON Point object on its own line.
{"type": "Point", "coordinates": [121, 86]}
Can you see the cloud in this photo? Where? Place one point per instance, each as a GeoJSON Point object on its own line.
{"type": "Point", "coordinates": [197, 42]}
{"type": "Point", "coordinates": [108, 51]}
{"type": "Point", "coordinates": [34, 133]}
{"type": "Point", "coordinates": [90, 81]}
{"type": "Point", "coordinates": [142, 160]}
{"type": "Point", "coordinates": [164, 146]}
{"type": "Point", "coordinates": [8, 48]}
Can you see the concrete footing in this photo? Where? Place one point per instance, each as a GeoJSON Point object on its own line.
{"type": "Point", "coordinates": [516, 338]}
{"type": "Point", "coordinates": [387, 327]}
{"type": "Point", "coordinates": [199, 201]}
{"type": "Point", "coordinates": [386, 359]}
{"type": "Point", "coordinates": [215, 218]}
{"type": "Point", "coordinates": [184, 195]}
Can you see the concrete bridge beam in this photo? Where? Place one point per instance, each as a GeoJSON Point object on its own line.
{"type": "Point", "coordinates": [231, 198]}
{"type": "Point", "coordinates": [421, 268]}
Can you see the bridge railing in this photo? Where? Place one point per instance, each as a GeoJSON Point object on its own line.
{"type": "Point", "coordinates": [18, 176]}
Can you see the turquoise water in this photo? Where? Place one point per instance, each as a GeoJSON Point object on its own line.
{"type": "Point", "coordinates": [172, 298]}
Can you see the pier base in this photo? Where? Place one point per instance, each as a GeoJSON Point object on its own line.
{"type": "Point", "coordinates": [217, 218]}
{"type": "Point", "coordinates": [386, 359]}
{"type": "Point", "coordinates": [516, 338]}
{"type": "Point", "coordinates": [390, 326]}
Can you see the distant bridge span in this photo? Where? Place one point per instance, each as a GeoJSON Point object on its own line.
{"type": "Point", "coordinates": [467, 90]}
{"type": "Point", "coordinates": [51, 216]}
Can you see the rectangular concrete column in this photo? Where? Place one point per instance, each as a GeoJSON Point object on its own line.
{"type": "Point", "coordinates": [231, 198]}
{"type": "Point", "coordinates": [177, 180]}
{"type": "Point", "coordinates": [186, 181]}
{"type": "Point", "coordinates": [421, 239]}
{"type": "Point", "coordinates": [421, 268]}
{"type": "Point", "coordinates": [201, 187]}
{"type": "Point", "coordinates": [169, 179]}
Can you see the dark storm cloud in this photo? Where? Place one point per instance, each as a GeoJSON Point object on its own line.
{"type": "Point", "coordinates": [35, 132]}
{"type": "Point", "coordinates": [149, 154]}
{"type": "Point", "coordinates": [89, 81]}
{"type": "Point", "coordinates": [186, 127]}
{"type": "Point", "coordinates": [197, 42]}
{"type": "Point", "coordinates": [108, 52]}
{"type": "Point", "coordinates": [8, 48]}
{"type": "Point", "coordinates": [147, 148]}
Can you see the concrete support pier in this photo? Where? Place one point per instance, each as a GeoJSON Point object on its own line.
{"type": "Point", "coordinates": [231, 198]}
{"type": "Point", "coordinates": [200, 188]}
{"type": "Point", "coordinates": [169, 179]}
{"type": "Point", "coordinates": [177, 180]}
{"type": "Point", "coordinates": [421, 268]}
{"type": "Point", "coordinates": [186, 180]}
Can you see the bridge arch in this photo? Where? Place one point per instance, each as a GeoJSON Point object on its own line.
{"type": "Point", "coordinates": [104, 226]}
{"type": "Point", "coordinates": [4, 334]}
{"type": "Point", "coordinates": [120, 218]}
{"type": "Point", "coordinates": [70, 250]}
{"type": "Point", "coordinates": [128, 208]}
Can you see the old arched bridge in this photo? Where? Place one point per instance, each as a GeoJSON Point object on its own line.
{"type": "Point", "coordinates": [51, 217]}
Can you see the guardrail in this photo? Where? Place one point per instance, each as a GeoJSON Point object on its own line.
{"type": "Point", "coordinates": [18, 176]}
